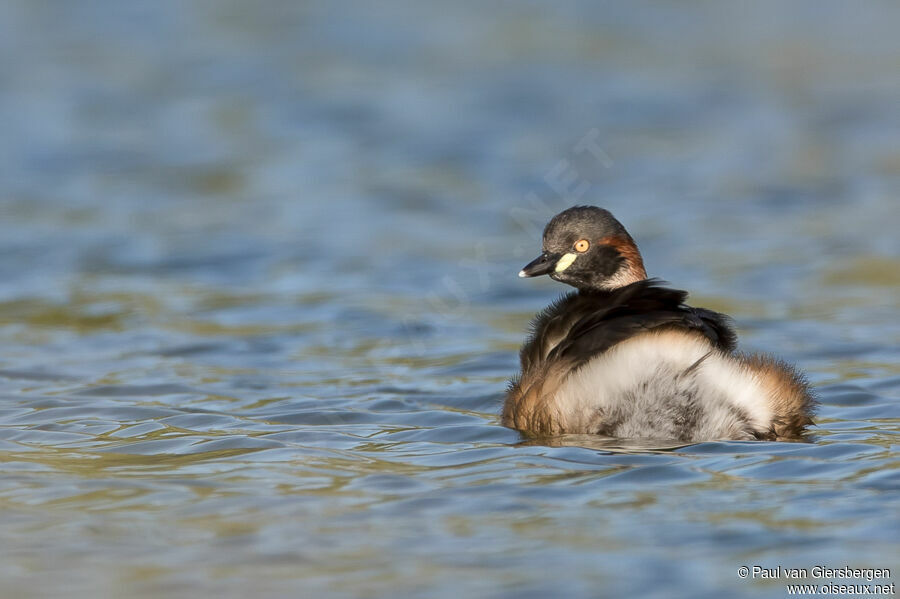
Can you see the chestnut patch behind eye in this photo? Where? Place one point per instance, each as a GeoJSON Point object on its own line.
{"type": "Point", "coordinates": [626, 248]}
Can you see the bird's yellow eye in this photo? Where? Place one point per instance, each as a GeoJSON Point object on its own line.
{"type": "Point", "coordinates": [582, 245]}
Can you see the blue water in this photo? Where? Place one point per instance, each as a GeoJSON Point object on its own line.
{"type": "Point", "coordinates": [258, 293]}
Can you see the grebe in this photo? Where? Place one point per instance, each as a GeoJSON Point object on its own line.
{"type": "Point", "coordinates": [623, 356]}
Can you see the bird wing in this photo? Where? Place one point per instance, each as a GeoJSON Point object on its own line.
{"type": "Point", "coordinates": [638, 308]}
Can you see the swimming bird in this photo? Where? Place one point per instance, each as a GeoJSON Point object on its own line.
{"type": "Point", "coordinates": [624, 356]}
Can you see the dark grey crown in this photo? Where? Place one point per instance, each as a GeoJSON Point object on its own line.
{"type": "Point", "coordinates": [577, 222]}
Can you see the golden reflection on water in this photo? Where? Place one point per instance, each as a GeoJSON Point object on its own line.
{"type": "Point", "coordinates": [76, 316]}
{"type": "Point", "coordinates": [866, 271]}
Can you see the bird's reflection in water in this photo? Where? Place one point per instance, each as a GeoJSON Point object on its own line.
{"type": "Point", "coordinates": [608, 444]}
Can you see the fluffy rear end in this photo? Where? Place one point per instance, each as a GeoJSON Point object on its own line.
{"type": "Point", "coordinates": [667, 384]}
{"type": "Point", "coordinates": [789, 394]}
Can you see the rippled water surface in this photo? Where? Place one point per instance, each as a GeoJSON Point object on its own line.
{"type": "Point", "coordinates": [258, 300]}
